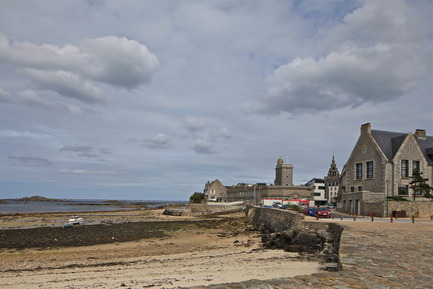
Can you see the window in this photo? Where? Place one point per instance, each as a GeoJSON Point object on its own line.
{"type": "Point", "coordinates": [415, 166]}
{"type": "Point", "coordinates": [359, 188]}
{"type": "Point", "coordinates": [352, 189]}
{"type": "Point", "coordinates": [403, 190]}
{"type": "Point", "coordinates": [404, 168]}
{"type": "Point", "coordinates": [369, 170]}
{"type": "Point", "coordinates": [359, 171]}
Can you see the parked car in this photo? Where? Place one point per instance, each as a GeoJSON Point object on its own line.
{"type": "Point", "coordinates": [303, 206]}
{"type": "Point", "coordinates": [277, 206]}
{"type": "Point", "coordinates": [322, 213]}
{"type": "Point", "coordinates": [311, 211]}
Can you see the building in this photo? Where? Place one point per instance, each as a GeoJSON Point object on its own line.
{"type": "Point", "coordinates": [282, 188]}
{"type": "Point", "coordinates": [317, 188]}
{"type": "Point", "coordinates": [381, 165]}
{"type": "Point", "coordinates": [242, 192]}
{"type": "Point", "coordinates": [331, 183]}
{"type": "Point", "coordinates": [283, 174]}
{"type": "Point", "coordinates": [215, 191]}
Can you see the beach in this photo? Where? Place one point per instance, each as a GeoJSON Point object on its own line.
{"type": "Point", "coordinates": [183, 251]}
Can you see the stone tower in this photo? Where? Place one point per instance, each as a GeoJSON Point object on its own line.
{"type": "Point", "coordinates": [283, 174]}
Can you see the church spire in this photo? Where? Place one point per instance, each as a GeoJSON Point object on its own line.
{"type": "Point", "coordinates": [333, 170]}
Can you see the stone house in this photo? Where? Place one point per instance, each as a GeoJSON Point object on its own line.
{"type": "Point", "coordinates": [381, 164]}
{"type": "Point", "coordinates": [215, 191]}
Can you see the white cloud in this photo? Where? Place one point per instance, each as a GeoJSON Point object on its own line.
{"type": "Point", "coordinates": [159, 141]}
{"type": "Point", "coordinates": [367, 66]}
{"type": "Point", "coordinates": [87, 172]}
{"type": "Point", "coordinates": [223, 133]}
{"type": "Point", "coordinates": [65, 84]}
{"type": "Point", "coordinates": [193, 123]}
{"type": "Point", "coordinates": [75, 71]}
{"type": "Point", "coordinates": [119, 61]}
{"type": "Point", "coordinates": [202, 146]}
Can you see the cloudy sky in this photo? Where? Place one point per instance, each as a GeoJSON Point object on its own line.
{"type": "Point", "coordinates": [148, 100]}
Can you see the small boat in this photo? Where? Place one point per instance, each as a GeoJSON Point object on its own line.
{"type": "Point", "coordinates": [75, 220]}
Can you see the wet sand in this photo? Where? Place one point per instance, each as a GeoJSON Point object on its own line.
{"type": "Point", "coordinates": [185, 256]}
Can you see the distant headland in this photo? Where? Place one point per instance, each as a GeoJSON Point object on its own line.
{"type": "Point", "coordinates": [38, 199]}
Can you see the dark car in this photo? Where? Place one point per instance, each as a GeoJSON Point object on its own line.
{"type": "Point", "coordinates": [311, 212]}
{"type": "Point", "coordinates": [322, 213]}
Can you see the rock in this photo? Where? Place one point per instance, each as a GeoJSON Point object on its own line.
{"type": "Point", "coordinates": [176, 212]}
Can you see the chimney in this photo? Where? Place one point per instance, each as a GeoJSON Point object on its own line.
{"type": "Point", "coordinates": [366, 128]}
{"type": "Point", "coordinates": [421, 134]}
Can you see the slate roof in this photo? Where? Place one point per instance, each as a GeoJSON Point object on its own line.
{"type": "Point", "coordinates": [390, 142]}
{"type": "Point", "coordinates": [426, 146]}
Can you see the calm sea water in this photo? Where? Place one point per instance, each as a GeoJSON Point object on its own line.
{"type": "Point", "coordinates": [14, 206]}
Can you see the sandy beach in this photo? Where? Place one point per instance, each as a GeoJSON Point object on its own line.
{"type": "Point", "coordinates": [186, 256]}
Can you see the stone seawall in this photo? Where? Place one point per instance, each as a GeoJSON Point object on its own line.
{"type": "Point", "coordinates": [273, 220]}
{"type": "Point", "coordinates": [287, 230]}
{"type": "Point", "coordinates": [202, 209]}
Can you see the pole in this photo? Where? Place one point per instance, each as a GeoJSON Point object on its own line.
{"type": "Point", "coordinates": [387, 205]}
{"type": "Point", "coordinates": [254, 193]}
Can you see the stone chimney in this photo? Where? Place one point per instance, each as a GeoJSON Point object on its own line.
{"type": "Point", "coordinates": [366, 128]}
{"type": "Point", "coordinates": [421, 134]}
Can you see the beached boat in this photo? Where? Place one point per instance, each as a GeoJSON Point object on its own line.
{"type": "Point", "coordinates": [75, 220]}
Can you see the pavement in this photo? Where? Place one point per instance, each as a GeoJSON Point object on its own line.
{"type": "Point", "coordinates": [377, 255]}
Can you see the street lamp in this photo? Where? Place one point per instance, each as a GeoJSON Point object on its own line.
{"type": "Point", "coordinates": [386, 197]}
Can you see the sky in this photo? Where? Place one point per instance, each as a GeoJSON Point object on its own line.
{"type": "Point", "coordinates": [149, 100]}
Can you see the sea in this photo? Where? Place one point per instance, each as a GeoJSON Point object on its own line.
{"type": "Point", "coordinates": [77, 205]}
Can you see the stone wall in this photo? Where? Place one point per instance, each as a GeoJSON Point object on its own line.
{"type": "Point", "coordinates": [273, 220]}
{"type": "Point", "coordinates": [287, 230]}
{"type": "Point", "coordinates": [419, 209]}
{"type": "Point", "coordinates": [201, 209]}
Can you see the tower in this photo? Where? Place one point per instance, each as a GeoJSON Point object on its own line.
{"type": "Point", "coordinates": [331, 182]}
{"type": "Point", "coordinates": [283, 174]}
{"type": "Point", "coordinates": [333, 171]}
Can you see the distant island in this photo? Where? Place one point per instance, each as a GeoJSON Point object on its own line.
{"type": "Point", "coordinates": [38, 199]}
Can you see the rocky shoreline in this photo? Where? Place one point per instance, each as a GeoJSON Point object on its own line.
{"type": "Point", "coordinates": [88, 235]}
{"type": "Point", "coordinates": [178, 251]}
{"type": "Point", "coordinates": [228, 254]}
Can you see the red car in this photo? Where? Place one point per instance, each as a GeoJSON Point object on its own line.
{"type": "Point", "coordinates": [322, 213]}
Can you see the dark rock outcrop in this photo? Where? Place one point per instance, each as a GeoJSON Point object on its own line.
{"type": "Point", "coordinates": [288, 231]}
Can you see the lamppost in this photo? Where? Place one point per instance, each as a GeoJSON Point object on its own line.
{"type": "Point", "coordinates": [386, 198]}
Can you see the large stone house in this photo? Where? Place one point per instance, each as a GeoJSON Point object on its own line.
{"type": "Point", "coordinates": [381, 165]}
{"type": "Point", "coordinates": [215, 191]}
